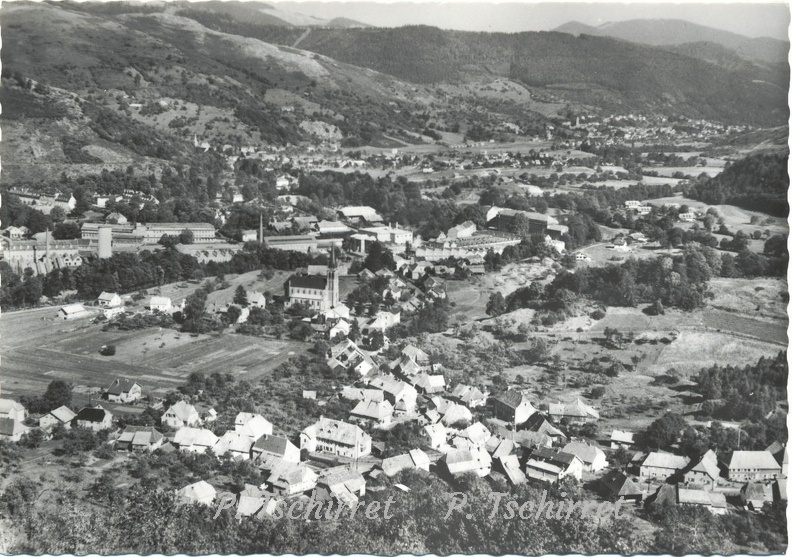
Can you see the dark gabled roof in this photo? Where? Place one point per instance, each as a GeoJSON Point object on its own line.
{"type": "Point", "coordinates": [617, 483]}
{"type": "Point", "coordinates": [119, 386]}
{"type": "Point", "coordinates": [314, 282]}
{"type": "Point", "coordinates": [91, 415]}
{"type": "Point", "coordinates": [550, 455]}
{"type": "Point", "coordinates": [510, 398]}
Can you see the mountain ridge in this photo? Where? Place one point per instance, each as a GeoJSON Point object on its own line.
{"type": "Point", "coordinates": [675, 32]}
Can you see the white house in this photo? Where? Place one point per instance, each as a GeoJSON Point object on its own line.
{"type": "Point", "coordinates": [123, 390]}
{"type": "Point", "coordinates": [160, 303]}
{"type": "Point", "coordinates": [109, 300]}
{"type": "Point", "coordinates": [181, 414]}
{"type": "Point", "coordinates": [62, 415]}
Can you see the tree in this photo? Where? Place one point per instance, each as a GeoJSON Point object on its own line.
{"type": "Point", "coordinates": [240, 296]}
{"type": "Point", "coordinates": [58, 393]}
{"type": "Point", "coordinates": [775, 246]}
{"type": "Point", "coordinates": [58, 215]}
{"type": "Point", "coordinates": [232, 315]}
{"type": "Point", "coordinates": [496, 304]}
{"type": "Point", "coordinates": [379, 257]}
{"type": "Point", "coordinates": [663, 432]}
{"type": "Point", "coordinates": [186, 236]}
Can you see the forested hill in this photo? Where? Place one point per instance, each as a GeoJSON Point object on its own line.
{"type": "Point", "coordinates": [758, 182]}
{"type": "Point", "coordinates": [598, 71]}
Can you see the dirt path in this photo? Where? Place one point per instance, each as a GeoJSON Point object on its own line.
{"type": "Point", "coordinates": [301, 38]}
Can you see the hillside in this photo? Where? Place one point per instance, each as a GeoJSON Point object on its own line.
{"type": "Point", "coordinates": [590, 70]}
{"type": "Point", "coordinates": [674, 32]}
{"type": "Point", "coordinates": [757, 182]}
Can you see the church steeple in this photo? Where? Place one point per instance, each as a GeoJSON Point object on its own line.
{"type": "Point", "coordinates": [332, 291]}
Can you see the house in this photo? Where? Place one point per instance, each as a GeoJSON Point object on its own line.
{"type": "Point", "coordinates": [617, 485]}
{"type": "Point", "coordinates": [622, 439]}
{"type": "Point", "coordinates": [593, 458]}
{"type": "Point", "coordinates": [62, 415]}
{"type": "Point", "coordinates": [200, 492]}
{"type": "Point", "coordinates": [510, 466]}
{"type": "Point", "coordinates": [471, 397]}
{"type": "Point", "coordinates": [347, 356]}
{"type": "Point", "coordinates": [123, 390]}
{"type": "Point", "coordinates": [574, 412]}
{"type": "Point", "coordinates": [160, 303]}
{"type": "Point", "coordinates": [755, 494]}
{"type": "Point", "coordinates": [378, 412]}
{"type": "Point", "coordinates": [17, 232]}
{"type": "Point", "coordinates": [428, 384]}
{"type": "Point", "coordinates": [236, 445]}
{"type": "Point", "coordinates": [462, 461]}
{"type": "Point", "coordinates": [139, 438]}
{"type": "Point", "coordinates": [343, 486]}
{"type": "Point", "coordinates": [401, 395]}
{"type": "Point", "coordinates": [96, 418]}
{"type": "Point", "coordinates": [73, 311]}
{"type": "Point", "coordinates": [109, 300]}
{"type": "Point", "coordinates": [704, 472]}
{"type": "Point", "coordinates": [195, 440]}
{"type": "Point", "coordinates": [548, 465]}
{"type": "Point", "coordinates": [12, 429]}
{"type": "Point", "coordinates": [274, 447]}
{"type": "Point", "coordinates": [713, 501]}
{"type": "Point", "coordinates": [415, 459]}
{"type": "Point", "coordinates": [252, 425]}
{"type": "Point", "coordinates": [662, 466]}
{"type": "Point", "coordinates": [436, 434]}
{"type": "Point", "coordinates": [475, 434]}
{"type": "Point", "coordinates": [498, 446]}
{"type": "Point", "coordinates": [337, 438]}
{"type": "Point", "coordinates": [454, 414]}
{"type": "Point", "coordinates": [779, 452]}
{"type": "Point", "coordinates": [115, 218]}
{"type": "Point", "coordinates": [539, 424]}
{"type": "Point", "coordinates": [291, 478]}
{"type": "Point", "coordinates": [339, 328]}
{"type": "Point", "coordinates": [12, 409]}
{"type": "Point", "coordinates": [253, 501]}
{"type": "Point", "coordinates": [180, 414]}
{"type": "Point", "coordinates": [512, 406]}
{"type": "Point", "coordinates": [257, 300]}
{"type": "Point", "coordinates": [752, 465]}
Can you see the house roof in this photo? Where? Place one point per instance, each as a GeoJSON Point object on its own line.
{"type": "Point", "coordinates": [120, 386]}
{"type": "Point", "coordinates": [10, 426]}
{"type": "Point", "coordinates": [477, 433]}
{"type": "Point", "coordinates": [159, 301]}
{"type": "Point", "coordinates": [140, 435]}
{"type": "Point", "coordinates": [585, 452]}
{"type": "Point", "coordinates": [551, 456]}
{"type": "Point", "coordinates": [89, 414]}
{"type": "Point", "coordinates": [511, 467]}
{"type": "Point", "coordinates": [373, 409]}
{"type": "Point", "coordinates": [63, 414]}
{"type": "Point", "coordinates": [537, 423]}
{"type": "Point", "coordinates": [233, 442]}
{"type": "Point", "coordinates": [197, 491]}
{"type": "Point", "coordinates": [619, 436]}
{"type": "Point", "coordinates": [290, 473]}
{"type": "Point", "coordinates": [512, 399]}
{"type": "Point", "coordinates": [577, 409]}
{"type": "Point", "coordinates": [707, 465]}
{"type": "Point", "coordinates": [8, 405]}
{"type": "Point", "coordinates": [183, 411]}
{"type": "Point", "coordinates": [337, 431]}
{"type": "Point", "coordinates": [73, 309]}
{"type": "Point", "coordinates": [757, 490]}
{"type": "Point", "coordinates": [415, 354]}
{"type": "Point", "coordinates": [761, 460]}
{"type": "Point", "coordinates": [455, 413]}
{"type": "Point", "coordinates": [701, 497]}
{"type": "Point", "coordinates": [395, 464]}
{"type": "Point", "coordinates": [468, 459]}
{"type": "Point", "coordinates": [619, 484]}
{"type": "Point", "coordinates": [272, 444]}
{"type": "Point", "coordinates": [107, 296]}
{"type": "Point", "coordinates": [666, 460]}
{"type": "Point", "coordinates": [313, 282]}
{"type": "Point", "coordinates": [351, 479]}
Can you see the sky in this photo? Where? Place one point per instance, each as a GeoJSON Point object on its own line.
{"type": "Point", "coordinates": [745, 18]}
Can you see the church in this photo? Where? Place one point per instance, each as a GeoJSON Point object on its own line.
{"type": "Point", "coordinates": [317, 292]}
